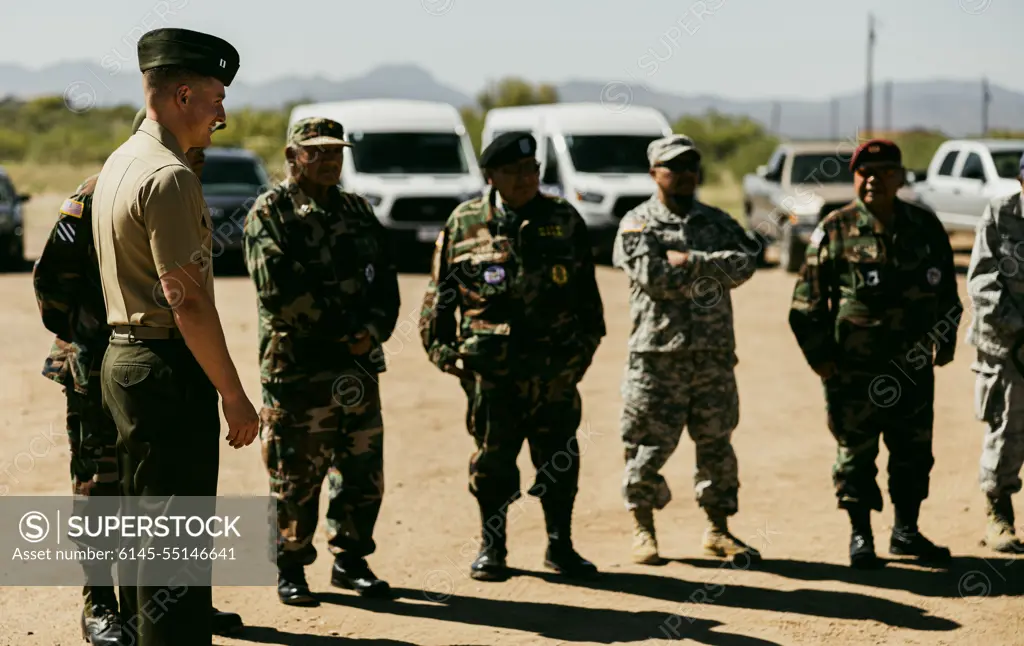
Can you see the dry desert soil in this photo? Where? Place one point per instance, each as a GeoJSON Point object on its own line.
{"type": "Point", "coordinates": [803, 592]}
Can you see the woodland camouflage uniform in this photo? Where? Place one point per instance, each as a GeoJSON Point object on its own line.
{"type": "Point", "coordinates": [70, 299]}
{"type": "Point", "coordinates": [883, 306]}
{"type": "Point", "coordinates": [323, 273]}
{"type": "Point", "coordinates": [531, 321]}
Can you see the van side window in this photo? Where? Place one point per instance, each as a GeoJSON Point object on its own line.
{"type": "Point", "coordinates": [947, 164]}
{"type": "Point", "coordinates": [551, 175]}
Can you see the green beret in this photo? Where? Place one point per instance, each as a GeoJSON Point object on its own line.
{"type": "Point", "coordinates": [199, 52]}
{"type": "Point", "coordinates": [140, 116]}
{"type": "Point", "coordinates": [507, 148]}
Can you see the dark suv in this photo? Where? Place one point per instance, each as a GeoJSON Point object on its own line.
{"type": "Point", "coordinates": [12, 228]}
{"type": "Point", "coordinates": [232, 180]}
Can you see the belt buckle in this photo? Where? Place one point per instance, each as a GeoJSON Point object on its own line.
{"type": "Point", "coordinates": [131, 334]}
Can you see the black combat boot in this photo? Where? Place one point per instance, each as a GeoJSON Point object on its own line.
{"type": "Point", "coordinates": [490, 561]}
{"type": "Point", "coordinates": [226, 623]}
{"type": "Point", "coordinates": [560, 555]}
{"type": "Point", "coordinates": [862, 540]}
{"type": "Point", "coordinates": [292, 588]}
{"type": "Point", "coordinates": [354, 573]}
{"type": "Point", "coordinates": [906, 540]}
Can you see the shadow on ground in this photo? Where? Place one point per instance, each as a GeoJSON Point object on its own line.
{"type": "Point", "coordinates": [608, 625]}
{"type": "Point", "coordinates": [968, 577]}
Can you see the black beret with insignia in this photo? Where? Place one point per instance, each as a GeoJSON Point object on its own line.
{"type": "Point", "coordinates": [507, 148]}
{"type": "Point", "coordinates": [199, 52]}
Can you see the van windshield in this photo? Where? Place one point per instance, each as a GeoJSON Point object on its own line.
{"type": "Point", "coordinates": [609, 153]}
{"type": "Point", "coordinates": [393, 153]}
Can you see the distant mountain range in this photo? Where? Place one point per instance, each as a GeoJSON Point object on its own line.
{"type": "Point", "coordinates": [953, 107]}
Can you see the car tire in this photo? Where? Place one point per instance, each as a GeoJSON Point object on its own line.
{"type": "Point", "coordinates": [791, 251]}
{"type": "Point", "coordinates": [12, 253]}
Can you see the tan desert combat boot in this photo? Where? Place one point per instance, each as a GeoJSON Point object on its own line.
{"type": "Point", "coordinates": [645, 545]}
{"type": "Point", "coordinates": [720, 543]}
{"type": "Point", "coordinates": [999, 533]}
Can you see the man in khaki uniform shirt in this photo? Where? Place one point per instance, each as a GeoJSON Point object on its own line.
{"type": "Point", "coordinates": [167, 359]}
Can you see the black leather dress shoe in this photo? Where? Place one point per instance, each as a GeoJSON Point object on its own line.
{"type": "Point", "coordinates": [354, 574]}
{"type": "Point", "coordinates": [292, 589]}
{"type": "Point", "coordinates": [226, 623]}
{"type": "Point", "coordinates": [103, 628]}
{"type": "Point", "coordinates": [489, 566]}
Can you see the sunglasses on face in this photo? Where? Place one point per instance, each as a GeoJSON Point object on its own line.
{"type": "Point", "coordinates": [682, 165]}
{"type": "Point", "coordinates": [522, 170]}
{"type": "Point", "coordinates": [877, 171]}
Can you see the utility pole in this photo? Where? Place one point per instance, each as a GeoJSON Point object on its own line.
{"type": "Point", "coordinates": [986, 99]}
{"type": "Point", "coordinates": [835, 119]}
{"type": "Point", "coordinates": [776, 118]}
{"type": "Point", "coordinates": [868, 93]}
{"type": "Point", "coordinates": [888, 106]}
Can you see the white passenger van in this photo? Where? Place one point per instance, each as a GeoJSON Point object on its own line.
{"type": "Point", "coordinates": [592, 155]}
{"type": "Point", "coordinates": [412, 160]}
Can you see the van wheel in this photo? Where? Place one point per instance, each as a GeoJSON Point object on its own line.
{"type": "Point", "coordinates": [791, 251]}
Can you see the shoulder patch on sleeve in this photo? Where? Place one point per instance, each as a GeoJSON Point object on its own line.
{"type": "Point", "coordinates": [73, 208]}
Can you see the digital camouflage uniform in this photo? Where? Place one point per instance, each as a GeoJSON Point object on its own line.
{"type": "Point", "coordinates": [70, 300]}
{"type": "Point", "coordinates": [323, 273]}
{"type": "Point", "coordinates": [995, 282]}
{"type": "Point", "coordinates": [879, 304]}
{"type": "Point", "coordinates": [531, 320]}
{"type": "Point", "coordinates": [681, 349]}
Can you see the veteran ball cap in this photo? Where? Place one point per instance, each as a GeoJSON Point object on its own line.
{"type": "Point", "coordinates": [876, 151]}
{"type": "Point", "coordinates": [317, 131]}
{"type": "Point", "coordinates": [507, 148]}
{"type": "Point", "coordinates": [199, 52]}
{"type": "Point", "coordinates": [662, 150]}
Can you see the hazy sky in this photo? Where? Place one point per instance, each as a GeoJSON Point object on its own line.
{"type": "Point", "coordinates": [735, 48]}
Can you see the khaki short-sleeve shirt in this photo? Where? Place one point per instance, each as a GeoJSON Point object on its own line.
{"type": "Point", "coordinates": [149, 218]}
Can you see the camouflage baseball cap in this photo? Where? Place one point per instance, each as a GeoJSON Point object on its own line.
{"type": "Point", "coordinates": [670, 147]}
{"type": "Point", "coordinates": [317, 131]}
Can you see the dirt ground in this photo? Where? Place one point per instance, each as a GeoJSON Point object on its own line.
{"type": "Point", "coordinates": [802, 594]}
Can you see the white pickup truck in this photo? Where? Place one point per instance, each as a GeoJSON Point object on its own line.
{"type": "Point", "coordinates": [965, 174]}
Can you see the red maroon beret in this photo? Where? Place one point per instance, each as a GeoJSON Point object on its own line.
{"type": "Point", "coordinates": [876, 151]}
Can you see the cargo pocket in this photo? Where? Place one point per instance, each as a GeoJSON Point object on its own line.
{"type": "Point", "coordinates": [989, 395]}
{"type": "Point", "coordinates": [128, 375]}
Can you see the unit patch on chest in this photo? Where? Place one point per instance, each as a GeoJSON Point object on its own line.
{"type": "Point", "coordinates": [934, 276]}
{"type": "Point", "coordinates": [494, 275]}
{"type": "Point", "coordinates": [559, 275]}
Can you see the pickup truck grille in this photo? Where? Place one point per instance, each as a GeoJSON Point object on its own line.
{"type": "Point", "coordinates": [423, 209]}
{"type": "Point", "coordinates": [624, 205]}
